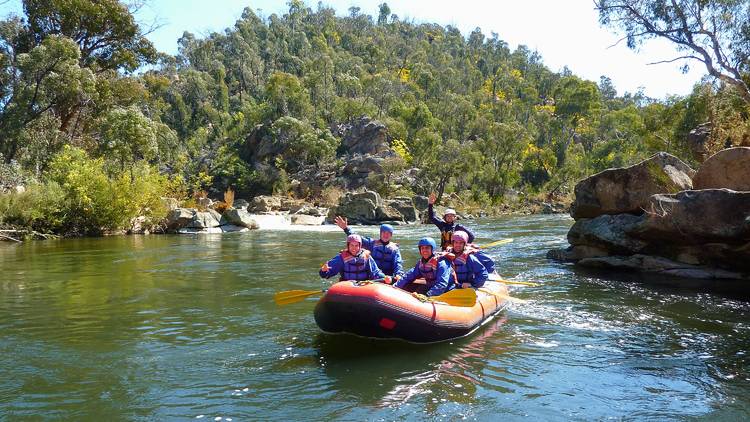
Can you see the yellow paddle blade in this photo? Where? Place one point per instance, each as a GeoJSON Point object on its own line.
{"type": "Point", "coordinates": [502, 296]}
{"type": "Point", "coordinates": [294, 296]}
{"type": "Point", "coordinates": [497, 243]}
{"type": "Point", "coordinates": [520, 283]}
{"type": "Point", "coordinates": [457, 297]}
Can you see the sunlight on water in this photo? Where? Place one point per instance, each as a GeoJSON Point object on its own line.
{"type": "Point", "coordinates": [184, 327]}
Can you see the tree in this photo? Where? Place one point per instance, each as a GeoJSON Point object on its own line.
{"type": "Point", "coordinates": [105, 31]}
{"type": "Point", "coordinates": [129, 136]}
{"type": "Point", "coordinates": [713, 32]}
{"type": "Point", "coordinates": [383, 12]}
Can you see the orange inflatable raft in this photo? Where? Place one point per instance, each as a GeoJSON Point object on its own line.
{"type": "Point", "coordinates": [383, 311]}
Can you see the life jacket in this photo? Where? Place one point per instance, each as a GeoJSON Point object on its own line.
{"type": "Point", "coordinates": [383, 253]}
{"type": "Point", "coordinates": [479, 254]}
{"type": "Point", "coordinates": [460, 266]}
{"type": "Point", "coordinates": [445, 237]}
{"type": "Point", "coordinates": [428, 270]}
{"type": "Point", "coordinates": [355, 267]}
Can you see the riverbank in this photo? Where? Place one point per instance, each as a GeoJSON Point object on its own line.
{"type": "Point", "coordinates": [276, 212]}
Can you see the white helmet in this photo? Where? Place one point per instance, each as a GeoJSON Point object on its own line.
{"type": "Point", "coordinates": [449, 211]}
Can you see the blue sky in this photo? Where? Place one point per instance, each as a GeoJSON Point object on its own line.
{"type": "Point", "coordinates": [564, 32]}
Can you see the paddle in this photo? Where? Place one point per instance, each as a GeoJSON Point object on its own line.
{"type": "Point", "coordinates": [458, 297]}
{"type": "Point", "coordinates": [496, 243]}
{"type": "Point", "coordinates": [501, 296]}
{"type": "Point", "coordinates": [496, 277]}
{"type": "Point", "coordinates": [294, 296]}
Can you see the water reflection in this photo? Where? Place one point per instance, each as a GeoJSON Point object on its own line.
{"type": "Point", "coordinates": [174, 327]}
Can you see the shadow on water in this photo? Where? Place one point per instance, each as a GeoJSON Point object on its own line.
{"type": "Point", "coordinates": [735, 289]}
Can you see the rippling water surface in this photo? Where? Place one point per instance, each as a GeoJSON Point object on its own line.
{"type": "Point", "coordinates": [183, 327]}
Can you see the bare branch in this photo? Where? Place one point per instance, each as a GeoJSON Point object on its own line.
{"type": "Point", "coordinates": [676, 59]}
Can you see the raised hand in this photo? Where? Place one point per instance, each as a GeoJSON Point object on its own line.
{"type": "Point", "coordinates": [341, 222]}
{"type": "Point", "coordinates": [432, 198]}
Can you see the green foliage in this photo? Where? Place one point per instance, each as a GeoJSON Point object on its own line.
{"type": "Point", "coordinates": [251, 106]}
{"type": "Point", "coordinates": [94, 203]}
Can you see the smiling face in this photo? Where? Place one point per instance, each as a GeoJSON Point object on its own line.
{"type": "Point", "coordinates": [449, 218]}
{"type": "Point", "coordinates": [425, 251]}
{"type": "Point", "coordinates": [353, 247]}
{"type": "Point", "coordinates": [458, 245]}
{"type": "Point", "coordinates": [385, 236]}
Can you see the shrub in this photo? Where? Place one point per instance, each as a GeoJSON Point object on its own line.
{"type": "Point", "coordinates": [41, 208]}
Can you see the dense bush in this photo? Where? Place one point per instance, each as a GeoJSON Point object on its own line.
{"type": "Point", "coordinates": [78, 197]}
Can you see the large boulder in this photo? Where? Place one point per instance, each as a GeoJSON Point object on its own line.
{"type": "Point", "coordinates": [203, 220]}
{"type": "Point", "coordinates": [264, 203]}
{"type": "Point", "coordinates": [359, 208]}
{"type": "Point", "coordinates": [362, 136]}
{"type": "Point", "coordinates": [359, 168]}
{"type": "Point", "coordinates": [405, 206]}
{"type": "Point", "coordinates": [179, 218]}
{"type": "Point", "coordinates": [307, 220]}
{"type": "Point", "coordinates": [238, 217]}
{"type": "Point", "coordinates": [627, 190]}
{"type": "Point", "coordinates": [729, 168]}
{"type": "Point", "coordinates": [696, 217]}
{"type": "Point", "coordinates": [388, 213]}
{"type": "Point", "coordinates": [608, 232]}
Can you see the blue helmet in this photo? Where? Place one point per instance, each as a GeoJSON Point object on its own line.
{"type": "Point", "coordinates": [386, 228]}
{"type": "Point", "coordinates": [427, 241]}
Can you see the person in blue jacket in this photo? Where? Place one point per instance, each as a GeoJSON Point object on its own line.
{"type": "Point", "coordinates": [386, 253]}
{"type": "Point", "coordinates": [447, 225]}
{"type": "Point", "coordinates": [470, 272]}
{"type": "Point", "coordinates": [352, 263]}
{"type": "Point", "coordinates": [431, 276]}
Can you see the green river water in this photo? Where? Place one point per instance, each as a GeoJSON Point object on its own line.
{"type": "Point", "coordinates": [184, 328]}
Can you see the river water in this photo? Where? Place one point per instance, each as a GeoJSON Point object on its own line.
{"type": "Point", "coordinates": [184, 327]}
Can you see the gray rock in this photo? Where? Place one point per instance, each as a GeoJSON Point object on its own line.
{"type": "Point", "coordinates": [203, 220]}
{"type": "Point", "coordinates": [264, 203]}
{"type": "Point", "coordinates": [238, 217]}
{"type": "Point", "coordinates": [698, 140]}
{"type": "Point", "coordinates": [179, 218]}
{"type": "Point", "coordinates": [729, 168]}
{"type": "Point", "coordinates": [608, 232]}
{"type": "Point", "coordinates": [386, 213]}
{"type": "Point", "coordinates": [363, 136]}
{"type": "Point", "coordinates": [576, 253]}
{"type": "Point", "coordinates": [307, 220]}
{"type": "Point", "coordinates": [240, 204]}
{"type": "Point", "coordinates": [420, 203]}
{"type": "Point", "coordinates": [627, 190]}
{"type": "Point", "coordinates": [664, 266]}
{"type": "Point", "coordinates": [696, 217]}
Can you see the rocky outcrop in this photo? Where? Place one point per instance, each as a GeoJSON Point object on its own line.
{"type": "Point", "coordinates": [697, 140]}
{"type": "Point", "coordinates": [729, 168]}
{"type": "Point", "coordinates": [191, 220]}
{"type": "Point", "coordinates": [362, 136]}
{"type": "Point", "coordinates": [238, 217]}
{"type": "Point", "coordinates": [368, 208]}
{"type": "Point", "coordinates": [264, 203]}
{"type": "Point", "coordinates": [691, 233]}
{"type": "Point", "coordinates": [627, 190]}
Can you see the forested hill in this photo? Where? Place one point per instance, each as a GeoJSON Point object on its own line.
{"type": "Point", "coordinates": [472, 115]}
